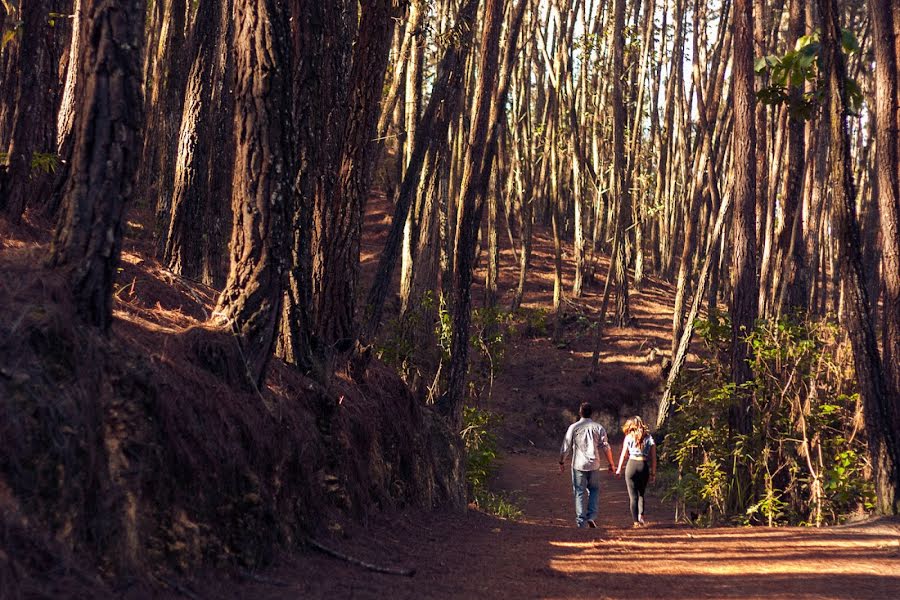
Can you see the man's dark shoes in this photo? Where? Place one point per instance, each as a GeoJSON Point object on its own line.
{"type": "Point", "coordinates": [592, 524]}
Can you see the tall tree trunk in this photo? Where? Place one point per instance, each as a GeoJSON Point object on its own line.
{"type": "Point", "coordinates": [875, 394]}
{"type": "Point", "coordinates": [87, 241]}
{"type": "Point", "coordinates": [250, 304]}
{"type": "Point", "coordinates": [336, 302]}
{"type": "Point", "coordinates": [789, 280]}
{"type": "Point", "coordinates": [164, 101]}
{"type": "Point", "coordinates": [68, 110]}
{"type": "Point", "coordinates": [620, 189]}
{"type": "Point", "coordinates": [478, 163]}
{"type": "Point", "coordinates": [35, 53]}
{"type": "Point", "coordinates": [887, 159]}
{"type": "Point", "coordinates": [319, 78]}
{"type": "Point", "coordinates": [194, 244]}
{"type": "Point", "coordinates": [744, 284]}
{"type": "Point", "coordinates": [435, 123]}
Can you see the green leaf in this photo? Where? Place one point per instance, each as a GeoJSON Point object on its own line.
{"type": "Point", "coordinates": [8, 35]}
{"type": "Point", "coordinates": [849, 41]}
{"type": "Point", "coordinates": [760, 65]}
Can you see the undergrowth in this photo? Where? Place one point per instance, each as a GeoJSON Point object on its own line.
{"type": "Point", "coordinates": [804, 462]}
{"type": "Point", "coordinates": [481, 463]}
{"type": "Point", "coordinates": [417, 344]}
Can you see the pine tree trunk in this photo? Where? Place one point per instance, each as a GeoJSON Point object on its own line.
{"type": "Point", "coordinates": [88, 237]}
{"type": "Point", "coordinates": [164, 101]}
{"type": "Point", "coordinates": [875, 394]}
{"type": "Point", "coordinates": [194, 242]}
{"type": "Point", "coordinates": [250, 304]}
{"type": "Point", "coordinates": [35, 52]}
{"type": "Point", "coordinates": [620, 190]}
{"type": "Point", "coordinates": [887, 165]}
{"type": "Point", "coordinates": [441, 109]}
{"type": "Point", "coordinates": [744, 283]}
{"type": "Point", "coordinates": [336, 297]}
{"type": "Point", "coordinates": [475, 177]}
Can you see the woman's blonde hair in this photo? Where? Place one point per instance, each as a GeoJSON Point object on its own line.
{"type": "Point", "coordinates": [637, 428]}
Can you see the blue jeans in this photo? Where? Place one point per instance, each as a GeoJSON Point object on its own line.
{"type": "Point", "coordinates": [586, 482]}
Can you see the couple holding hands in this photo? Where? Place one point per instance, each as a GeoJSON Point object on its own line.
{"type": "Point", "coordinates": [583, 442]}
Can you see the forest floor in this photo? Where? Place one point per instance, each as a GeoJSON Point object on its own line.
{"type": "Point", "coordinates": [542, 555]}
{"type": "Point", "coordinates": [536, 392]}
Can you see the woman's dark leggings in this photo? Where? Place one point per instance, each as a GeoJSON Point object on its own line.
{"type": "Point", "coordinates": [637, 474]}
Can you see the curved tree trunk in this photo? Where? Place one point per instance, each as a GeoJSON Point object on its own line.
{"type": "Point", "coordinates": [107, 131]}
{"type": "Point", "coordinates": [474, 187]}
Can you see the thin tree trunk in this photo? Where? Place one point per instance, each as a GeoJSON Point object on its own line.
{"type": "Point", "coordinates": [478, 163]}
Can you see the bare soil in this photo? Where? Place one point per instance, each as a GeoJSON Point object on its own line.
{"type": "Point", "coordinates": [474, 555]}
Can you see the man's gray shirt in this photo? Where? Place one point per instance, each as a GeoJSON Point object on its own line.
{"type": "Point", "coordinates": [583, 440]}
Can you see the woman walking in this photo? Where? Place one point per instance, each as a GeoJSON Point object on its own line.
{"type": "Point", "coordinates": [641, 469]}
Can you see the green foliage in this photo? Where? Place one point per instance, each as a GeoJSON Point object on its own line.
{"type": "Point", "coordinates": [481, 458]}
{"type": "Point", "coordinates": [418, 343]}
{"type": "Point", "coordinates": [408, 343]}
{"type": "Point", "coordinates": [805, 456]}
{"type": "Point", "coordinates": [4, 159]}
{"type": "Point", "coordinates": [46, 162]}
{"type": "Point", "coordinates": [10, 34]}
{"type": "Point", "coordinates": [789, 74]}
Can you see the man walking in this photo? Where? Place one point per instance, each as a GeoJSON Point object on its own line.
{"type": "Point", "coordinates": [583, 441]}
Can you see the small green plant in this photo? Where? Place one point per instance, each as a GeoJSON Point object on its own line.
{"type": "Point", "coordinates": [46, 162]}
{"type": "Point", "coordinates": [481, 457]}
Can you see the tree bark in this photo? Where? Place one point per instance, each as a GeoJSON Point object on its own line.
{"type": "Point", "coordinates": [887, 165]}
{"type": "Point", "coordinates": [35, 55]}
{"type": "Point", "coordinates": [250, 304]}
{"type": "Point", "coordinates": [88, 237]}
{"type": "Point", "coordinates": [620, 189]}
{"type": "Point", "coordinates": [875, 394]}
{"type": "Point", "coordinates": [474, 183]}
{"type": "Point", "coordinates": [441, 109]}
{"type": "Point", "coordinates": [337, 270]}
{"type": "Point", "coordinates": [194, 244]}
{"type": "Point", "coordinates": [744, 284]}
{"type": "Point", "coordinates": [164, 101]}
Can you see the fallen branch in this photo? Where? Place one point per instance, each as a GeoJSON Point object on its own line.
{"type": "Point", "coordinates": [260, 579]}
{"type": "Point", "coordinates": [177, 587]}
{"type": "Point", "coordinates": [358, 562]}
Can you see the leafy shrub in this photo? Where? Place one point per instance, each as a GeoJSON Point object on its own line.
{"type": "Point", "coordinates": [481, 458]}
{"type": "Point", "coordinates": [804, 461]}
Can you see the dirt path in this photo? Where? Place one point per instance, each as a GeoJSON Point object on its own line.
{"type": "Point", "coordinates": [544, 556]}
